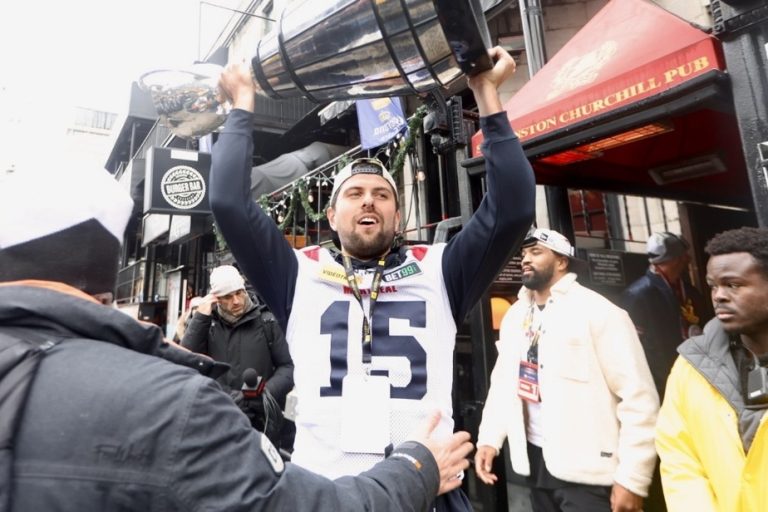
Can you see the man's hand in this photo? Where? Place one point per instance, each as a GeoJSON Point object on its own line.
{"type": "Point", "coordinates": [236, 84]}
{"type": "Point", "coordinates": [483, 463]}
{"type": "Point", "coordinates": [450, 454]}
{"type": "Point", "coordinates": [206, 306]}
{"type": "Point", "coordinates": [485, 85]}
{"type": "Point", "coordinates": [624, 500]}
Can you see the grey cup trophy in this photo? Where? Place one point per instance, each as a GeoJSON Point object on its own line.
{"type": "Point", "coordinates": [333, 50]}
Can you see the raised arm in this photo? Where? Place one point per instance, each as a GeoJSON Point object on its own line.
{"type": "Point", "coordinates": [476, 254]}
{"type": "Point", "coordinates": [259, 247]}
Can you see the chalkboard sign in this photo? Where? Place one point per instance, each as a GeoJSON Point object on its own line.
{"type": "Point", "coordinates": [511, 273]}
{"type": "Point", "coordinates": [606, 267]}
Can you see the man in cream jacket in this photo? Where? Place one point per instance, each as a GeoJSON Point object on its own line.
{"type": "Point", "coordinates": [571, 390]}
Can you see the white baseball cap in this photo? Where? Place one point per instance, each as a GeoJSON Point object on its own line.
{"type": "Point", "coordinates": [558, 243]}
{"type": "Point", "coordinates": [550, 239]}
{"type": "Point", "coordinates": [362, 166]}
{"type": "Point", "coordinates": [665, 246]}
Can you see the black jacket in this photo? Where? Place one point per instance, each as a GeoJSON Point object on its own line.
{"type": "Point", "coordinates": [253, 341]}
{"type": "Point", "coordinates": [111, 424]}
{"type": "Point", "coordinates": [655, 311]}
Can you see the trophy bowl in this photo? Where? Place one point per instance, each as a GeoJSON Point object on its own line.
{"type": "Point", "coordinates": [187, 100]}
{"type": "Point", "coordinates": [337, 50]}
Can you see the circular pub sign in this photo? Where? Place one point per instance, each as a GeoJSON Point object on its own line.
{"type": "Point", "coordinates": [182, 187]}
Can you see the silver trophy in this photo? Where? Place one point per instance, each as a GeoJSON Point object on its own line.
{"type": "Point", "coordinates": [339, 50]}
{"type": "Point", "coordinates": [187, 100]}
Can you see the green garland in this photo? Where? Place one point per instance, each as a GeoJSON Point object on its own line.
{"type": "Point", "coordinates": [304, 195]}
{"type": "Point", "coordinates": [288, 197]}
{"type": "Point", "coordinates": [414, 125]}
{"type": "Point", "coordinates": [289, 210]}
{"type": "Point", "coordinates": [221, 244]}
{"type": "Point", "coordinates": [342, 161]}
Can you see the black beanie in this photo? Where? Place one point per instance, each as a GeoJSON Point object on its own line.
{"type": "Point", "coordinates": [62, 226]}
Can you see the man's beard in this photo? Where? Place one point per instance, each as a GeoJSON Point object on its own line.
{"type": "Point", "coordinates": [367, 249]}
{"type": "Point", "coordinates": [538, 279]}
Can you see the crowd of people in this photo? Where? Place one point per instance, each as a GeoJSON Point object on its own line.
{"type": "Point", "coordinates": [605, 407]}
{"type": "Point", "coordinates": [577, 382]}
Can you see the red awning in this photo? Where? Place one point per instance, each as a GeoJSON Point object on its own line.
{"type": "Point", "coordinates": [629, 51]}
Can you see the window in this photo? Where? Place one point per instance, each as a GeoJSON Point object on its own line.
{"type": "Point", "coordinates": [88, 118]}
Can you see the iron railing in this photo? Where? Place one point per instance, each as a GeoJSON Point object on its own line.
{"type": "Point", "coordinates": [298, 208]}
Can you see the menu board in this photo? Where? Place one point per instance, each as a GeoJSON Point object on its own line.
{"type": "Point", "coordinates": [511, 273]}
{"type": "Point", "coordinates": [606, 268]}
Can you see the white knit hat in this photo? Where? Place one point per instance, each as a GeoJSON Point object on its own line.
{"type": "Point", "coordinates": [225, 280]}
{"type": "Point", "coordinates": [362, 166]}
{"type": "Point", "coordinates": [62, 225]}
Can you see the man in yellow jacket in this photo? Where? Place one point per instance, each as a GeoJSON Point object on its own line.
{"type": "Point", "coordinates": [712, 432]}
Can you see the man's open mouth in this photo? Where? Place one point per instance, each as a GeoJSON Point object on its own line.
{"type": "Point", "coordinates": [368, 221]}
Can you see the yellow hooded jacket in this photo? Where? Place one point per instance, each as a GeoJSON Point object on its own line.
{"type": "Point", "coordinates": [704, 466]}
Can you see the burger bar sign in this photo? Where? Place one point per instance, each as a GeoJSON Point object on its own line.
{"type": "Point", "coordinates": [177, 181]}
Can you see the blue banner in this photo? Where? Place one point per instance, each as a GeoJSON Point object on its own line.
{"type": "Point", "coordinates": [379, 121]}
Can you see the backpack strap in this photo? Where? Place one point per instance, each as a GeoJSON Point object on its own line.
{"type": "Point", "coordinates": [20, 355]}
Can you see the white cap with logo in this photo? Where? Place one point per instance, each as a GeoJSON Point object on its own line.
{"type": "Point", "coordinates": [559, 244]}
{"type": "Point", "coordinates": [550, 239]}
{"type": "Point", "coordinates": [362, 166]}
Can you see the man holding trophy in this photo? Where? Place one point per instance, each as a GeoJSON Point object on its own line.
{"type": "Point", "coordinates": [371, 329]}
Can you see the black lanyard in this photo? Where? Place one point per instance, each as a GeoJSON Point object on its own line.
{"type": "Point", "coordinates": [367, 319]}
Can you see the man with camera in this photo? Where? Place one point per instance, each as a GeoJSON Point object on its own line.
{"type": "Point", "coordinates": [712, 431]}
{"type": "Point", "coordinates": [230, 326]}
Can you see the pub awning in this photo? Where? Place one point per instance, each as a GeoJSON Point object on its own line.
{"type": "Point", "coordinates": [637, 94]}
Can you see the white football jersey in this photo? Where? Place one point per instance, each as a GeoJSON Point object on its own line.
{"type": "Point", "coordinates": [413, 341]}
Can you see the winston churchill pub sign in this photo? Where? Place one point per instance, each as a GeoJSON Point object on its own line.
{"type": "Point", "coordinates": [615, 60]}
